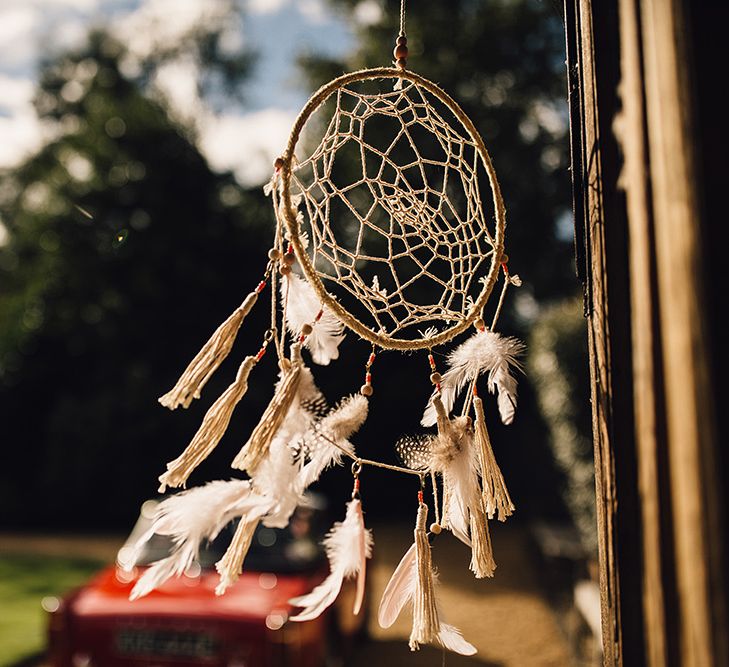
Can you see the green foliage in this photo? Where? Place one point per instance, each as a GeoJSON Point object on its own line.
{"type": "Point", "coordinates": [24, 581]}
{"type": "Point", "coordinates": [124, 249]}
{"type": "Point", "coordinates": [558, 367]}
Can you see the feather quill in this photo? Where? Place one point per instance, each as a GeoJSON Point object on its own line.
{"type": "Point", "coordinates": [348, 544]}
{"type": "Point", "coordinates": [484, 352]}
{"type": "Point", "coordinates": [400, 591]}
{"type": "Point", "coordinates": [302, 307]}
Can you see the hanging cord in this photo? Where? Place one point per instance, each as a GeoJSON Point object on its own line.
{"type": "Point", "coordinates": [434, 482]}
{"type": "Point", "coordinates": [366, 389]}
{"type": "Point", "coordinates": [508, 280]}
{"type": "Point", "coordinates": [400, 52]}
{"type": "Point", "coordinates": [276, 257]}
{"type": "Point", "coordinates": [369, 462]}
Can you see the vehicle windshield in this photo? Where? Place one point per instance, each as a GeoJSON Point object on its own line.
{"type": "Point", "coordinates": [295, 548]}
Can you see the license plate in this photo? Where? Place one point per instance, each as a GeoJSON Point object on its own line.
{"type": "Point", "coordinates": [166, 644]}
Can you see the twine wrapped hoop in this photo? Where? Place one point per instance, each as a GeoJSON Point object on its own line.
{"type": "Point", "coordinates": [288, 167]}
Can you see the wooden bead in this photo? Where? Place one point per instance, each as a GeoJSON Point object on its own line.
{"type": "Point", "coordinates": [435, 528]}
{"type": "Point", "coordinates": [401, 40]}
{"type": "Point", "coordinates": [401, 51]}
{"type": "Point", "coordinates": [278, 163]}
{"type": "Point", "coordinates": [435, 378]}
{"type": "Point", "coordinates": [479, 324]}
{"type": "Point", "coordinates": [366, 390]}
{"type": "Point", "coordinates": [306, 329]}
{"type": "Point", "coordinates": [289, 258]}
{"type": "Point", "coordinates": [401, 62]}
{"type": "Point", "coordinates": [284, 269]}
{"type": "Point", "coordinates": [504, 258]}
{"type": "Point", "coordinates": [274, 253]}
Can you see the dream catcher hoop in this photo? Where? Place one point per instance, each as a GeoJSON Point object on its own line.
{"type": "Point", "coordinates": [382, 228]}
{"type": "Point", "coordinates": [423, 211]}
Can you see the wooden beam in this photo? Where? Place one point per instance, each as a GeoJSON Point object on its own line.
{"type": "Point", "coordinates": [699, 534]}
{"type": "Point", "coordinates": [631, 131]}
{"type": "Point", "coordinates": [593, 60]}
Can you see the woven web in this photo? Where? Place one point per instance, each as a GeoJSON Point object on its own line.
{"type": "Point", "coordinates": [391, 197]}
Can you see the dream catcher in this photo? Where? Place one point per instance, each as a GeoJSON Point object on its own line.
{"type": "Point", "coordinates": [390, 225]}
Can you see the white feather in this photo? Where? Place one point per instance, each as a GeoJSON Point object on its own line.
{"type": "Point", "coordinates": [302, 307]}
{"type": "Point", "coordinates": [460, 482]}
{"type": "Point", "coordinates": [277, 473]}
{"type": "Point", "coordinates": [485, 351]}
{"type": "Point", "coordinates": [189, 518]}
{"type": "Point", "coordinates": [400, 591]}
{"type": "Point", "coordinates": [348, 544]}
{"type": "Point", "coordinates": [275, 479]}
{"type": "Point", "coordinates": [338, 426]}
{"type": "Point", "coordinates": [451, 638]}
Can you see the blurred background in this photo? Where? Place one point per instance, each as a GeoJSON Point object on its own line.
{"type": "Point", "coordinates": [135, 136]}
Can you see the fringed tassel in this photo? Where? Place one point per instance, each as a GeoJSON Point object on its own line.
{"type": "Point", "coordinates": [482, 555]}
{"type": "Point", "coordinates": [495, 495]}
{"type": "Point", "coordinates": [426, 625]}
{"type": "Point", "coordinates": [256, 449]}
{"type": "Point", "coordinates": [230, 565]}
{"type": "Point", "coordinates": [210, 432]}
{"type": "Point", "coordinates": [208, 359]}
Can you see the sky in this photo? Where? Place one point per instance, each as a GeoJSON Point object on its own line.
{"type": "Point", "coordinates": [243, 138]}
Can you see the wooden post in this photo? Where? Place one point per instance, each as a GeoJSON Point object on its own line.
{"type": "Point", "coordinates": [602, 251]}
{"type": "Point", "coordinates": [660, 491]}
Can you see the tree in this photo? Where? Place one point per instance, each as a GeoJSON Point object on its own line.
{"type": "Point", "coordinates": [124, 249]}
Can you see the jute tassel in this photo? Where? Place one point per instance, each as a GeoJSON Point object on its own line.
{"type": "Point", "coordinates": [230, 565]}
{"type": "Point", "coordinates": [426, 625]}
{"type": "Point", "coordinates": [482, 555]}
{"type": "Point", "coordinates": [495, 495]}
{"type": "Point", "coordinates": [256, 449]}
{"type": "Point", "coordinates": [210, 432]}
{"type": "Point", "coordinates": [207, 360]}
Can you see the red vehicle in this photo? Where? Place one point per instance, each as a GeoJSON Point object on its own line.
{"type": "Point", "coordinates": [185, 623]}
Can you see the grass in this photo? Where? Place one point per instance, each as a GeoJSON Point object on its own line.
{"type": "Point", "coordinates": [24, 581]}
